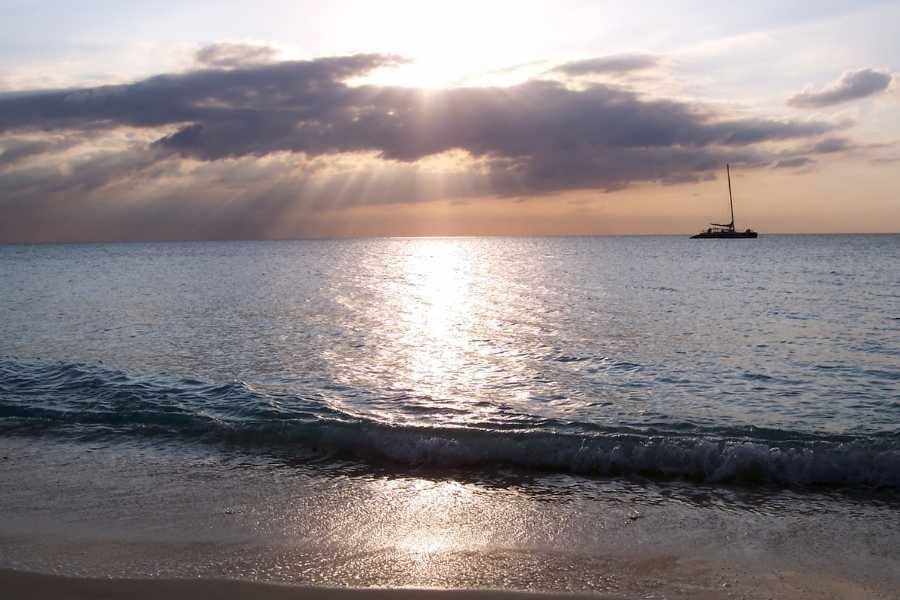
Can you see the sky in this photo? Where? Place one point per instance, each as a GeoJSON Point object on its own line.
{"type": "Point", "coordinates": [282, 120]}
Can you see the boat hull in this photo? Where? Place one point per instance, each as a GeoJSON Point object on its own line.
{"type": "Point", "coordinates": [724, 235]}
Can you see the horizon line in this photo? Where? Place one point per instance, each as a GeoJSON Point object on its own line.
{"type": "Point", "coordinates": [415, 237]}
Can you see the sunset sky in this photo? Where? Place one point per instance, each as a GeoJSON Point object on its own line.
{"type": "Point", "coordinates": [293, 119]}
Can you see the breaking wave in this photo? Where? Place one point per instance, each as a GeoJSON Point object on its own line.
{"type": "Point", "coordinates": [90, 402]}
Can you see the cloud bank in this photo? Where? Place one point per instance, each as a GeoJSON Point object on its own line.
{"type": "Point", "coordinates": [853, 85]}
{"type": "Point", "coordinates": [246, 141]}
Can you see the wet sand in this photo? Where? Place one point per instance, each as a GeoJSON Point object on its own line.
{"type": "Point", "coordinates": [173, 525]}
{"type": "Point", "coordinates": [16, 585]}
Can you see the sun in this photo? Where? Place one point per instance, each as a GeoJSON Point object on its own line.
{"type": "Point", "coordinates": [426, 73]}
{"type": "Point", "coordinates": [445, 46]}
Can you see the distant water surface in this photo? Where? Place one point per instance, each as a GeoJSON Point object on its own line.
{"type": "Point", "coordinates": [774, 360]}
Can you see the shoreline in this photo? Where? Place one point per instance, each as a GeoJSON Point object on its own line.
{"type": "Point", "coordinates": [39, 586]}
{"type": "Point", "coordinates": [142, 522]}
{"type": "Point", "coordinates": [26, 584]}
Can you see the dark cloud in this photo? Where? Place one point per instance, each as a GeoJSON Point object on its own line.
{"type": "Point", "coordinates": [801, 157]}
{"type": "Point", "coordinates": [549, 136]}
{"type": "Point", "coordinates": [614, 64]}
{"type": "Point", "coordinates": [307, 107]}
{"type": "Point", "coordinates": [852, 85]}
{"type": "Point", "coordinates": [12, 151]}
{"type": "Point", "coordinates": [303, 89]}
{"type": "Point", "coordinates": [832, 145]}
{"type": "Point", "coordinates": [540, 130]}
{"type": "Point", "coordinates": [230, 55]}
{"type": "Point", "coordinates": [273, 133]}
{"type": "Point", "coordinates": [15, 149]}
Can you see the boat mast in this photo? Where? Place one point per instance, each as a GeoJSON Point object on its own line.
{"type": "Point", "coordinates": [730, 199]}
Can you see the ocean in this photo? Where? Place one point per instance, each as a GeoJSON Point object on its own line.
{"type": "Point", "coordinates": [638, 415]}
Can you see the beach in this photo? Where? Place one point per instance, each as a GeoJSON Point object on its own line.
{"type": "Point", "coordinates": [112, 513]}
{"type": "Point", "coordinates": [30, 585]}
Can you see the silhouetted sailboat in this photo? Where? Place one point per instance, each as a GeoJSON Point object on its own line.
{"type": "Point", "coordinates": [725, 230]}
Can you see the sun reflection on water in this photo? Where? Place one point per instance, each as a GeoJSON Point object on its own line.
{"type": "Point", "coordinates": [445, 334]}
{"type": "Point", "coordinates": [435, 314]}
{"type": "Point", "coordinates": [434, 520]}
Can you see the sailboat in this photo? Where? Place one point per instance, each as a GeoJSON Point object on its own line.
{"type": "Point", "coordinates": [725, 230]}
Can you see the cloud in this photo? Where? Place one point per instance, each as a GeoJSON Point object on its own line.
{"type": "Point", "coordinates": [795, 162]}
{"type": "Point", "coordinates": [298, 136]}
{"type": "Point", "coordinates": [832, 145]}
{"type": "Point", "coordinates": [246, 94]}
{"type": "Point", "coordinates": [614, 64]}
{"type": "Point", "coordinates": [307, 107]}
{"type": "Point", "coordinates": [14, 150]}
{"type": "Point", "coordinates": [801, 156]}
{"type": "Point", "coordinates": [230, 54]}
{"type": "Point", "coordinates": [852, 85]}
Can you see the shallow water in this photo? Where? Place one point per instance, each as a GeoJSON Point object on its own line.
{"type": "Point", "coordinates": [117, 510]}
{"type": "Point", "coordinates": [709, 382]}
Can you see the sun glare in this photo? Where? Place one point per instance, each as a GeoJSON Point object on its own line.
{"type": "Point", "coordinates": [436, 314]}
{"type": "Point", "coordinates": [432, 536]}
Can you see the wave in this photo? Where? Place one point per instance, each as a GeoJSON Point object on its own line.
{"type": "Point", "coordinates": [90, 401]}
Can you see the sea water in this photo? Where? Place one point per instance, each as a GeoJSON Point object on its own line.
{"type": "Point", "coordinates": [400, 411]}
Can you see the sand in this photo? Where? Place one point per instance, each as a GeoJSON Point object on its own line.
{"type": "Point", "coordinates": [17, 585]}
{"type": "Point", "coordinates": [77, 512]}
